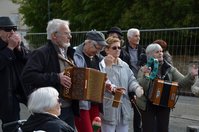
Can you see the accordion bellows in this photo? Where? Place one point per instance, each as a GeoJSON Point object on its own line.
{"type": "Point", "coordinates": [87, 84]}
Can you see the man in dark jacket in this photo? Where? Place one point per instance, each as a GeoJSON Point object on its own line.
{"type": "Point", "coordinates": [134, 55]}
{"type": "Point", "coordinates": [13, 56]}
{"type": "Point", "coordinates": [46, 66]}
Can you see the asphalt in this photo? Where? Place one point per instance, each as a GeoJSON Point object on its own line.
{"type": "Point", "coordinates": [185, 114]}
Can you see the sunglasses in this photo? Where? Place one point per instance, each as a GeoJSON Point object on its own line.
{"type": "Point", "coordinates": [115, 48]}
{"type": "Point", "coordinates": [8, 29]}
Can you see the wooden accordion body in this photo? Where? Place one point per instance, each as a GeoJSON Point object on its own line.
{"type": "Point", "coordinates": [164, 93]}
{"type": "Point", "coordinates": [87, 84]}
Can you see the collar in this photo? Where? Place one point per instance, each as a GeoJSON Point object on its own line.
{"type": "Point", "coordinates": [118, 64]}
{"type": "Point", "coordinates": [136, 48]}
{"type": "Point", "coordinates": [50, 114]}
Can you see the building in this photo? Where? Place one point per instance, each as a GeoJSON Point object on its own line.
{"type": "Point", "coordinates": [8, 8]}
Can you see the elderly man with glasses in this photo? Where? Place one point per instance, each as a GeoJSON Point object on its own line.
{"type": "Point", "coordinates": [13, 56]}
{"type": "Point", "coordinates": [47, 63]}
{"type": "Point", "coordinates": [87, 55]}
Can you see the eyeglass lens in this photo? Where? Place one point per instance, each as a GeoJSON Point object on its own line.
{"type": "Point", "coordinates": [115, 48]}
{"type": "Point", "coordinates": [98, 48]}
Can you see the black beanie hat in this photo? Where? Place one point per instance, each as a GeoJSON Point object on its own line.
{"type": "Point", "coordinates": [115, 30]}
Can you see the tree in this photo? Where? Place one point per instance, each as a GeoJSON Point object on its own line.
{"type": "Point", "coordinates": [94, 14]}
{"type": "Point", "coordinates": [35, 13]}
{"type": "Point", "coordinates": [101, 15]}
{"type": "Point", "coordinates": [146, 14]}
{"type": "Point", "coordinates": [85, 15]}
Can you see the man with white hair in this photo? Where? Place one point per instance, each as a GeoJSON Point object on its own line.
{"type": "Point", "coordinates": [134, 55]}
{"type": "Point", "coordinates": [132, 52]}
{"type": "Point", "coordinates": [47, 63]}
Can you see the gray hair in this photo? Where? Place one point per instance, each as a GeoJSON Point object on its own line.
{"type": "Point", "coordinates": [151, 48]}
{"type": "Point", "coordinates": [131, 32]}
{"type": "Point", "coordinates": [54, 25]}
{"type": "Point", "coordinates": [42, 99]}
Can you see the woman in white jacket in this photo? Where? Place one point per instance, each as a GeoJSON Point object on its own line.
{"type": "Point", "coordinates": [119, 75]}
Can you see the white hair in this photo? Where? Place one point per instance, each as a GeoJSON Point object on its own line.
{"type": "Point", "coordinates": [151, 48]}
{"type": "Point", "coordinates": [42, 99]}
{"type": "Point", "coordinates": [54, 25]}
{"type": "Point", "coordinates": [132, 32]}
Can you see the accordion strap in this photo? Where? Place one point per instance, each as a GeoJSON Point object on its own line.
{"type": "Point", "coordinates": [66, 60]}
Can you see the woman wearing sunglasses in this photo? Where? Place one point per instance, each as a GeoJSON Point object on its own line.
{"type": "Point", "coordinates": [119, 76]}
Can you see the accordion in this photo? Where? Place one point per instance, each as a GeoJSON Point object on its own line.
{"type": "Point", "coordinates": [87, 84]}
{"type": "Point", "coordinates": [164, 93]}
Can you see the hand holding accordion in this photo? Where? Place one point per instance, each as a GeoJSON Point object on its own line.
{"type": "Point", "coordinates": [87, 84]}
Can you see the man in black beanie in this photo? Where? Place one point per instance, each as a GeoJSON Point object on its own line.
{"type": "Point", "coordinates": [115, 32]}
{"type": "Point", "coordinates": [13, 56]}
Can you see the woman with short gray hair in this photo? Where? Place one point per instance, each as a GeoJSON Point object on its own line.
{"type": "Point", "coordinates": [44, 106]}
{"type": "Point", "coordinates": [155, 117]}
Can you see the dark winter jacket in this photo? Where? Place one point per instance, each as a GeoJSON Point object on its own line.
{"type": "Point", "coordinates": [45, 122]}
{"type": "Point", "coordinates": [42, 70]}
{"type": "Point", "coordinates": [124, 55]}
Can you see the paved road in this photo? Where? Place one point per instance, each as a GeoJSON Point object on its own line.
{"type": "Point", "coordinates": [185, 114]}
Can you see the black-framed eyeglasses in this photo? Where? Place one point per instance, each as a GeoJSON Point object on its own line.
{"type": "Point", "coordinates": [98, 48]}
{"type": "Point", "coordinates": [8, 29]}
{"type": "Point", "coordinates": [68, 34]}
{"type": "Point", "coordinates": [116, 47]}
{"type": "Point", "coordinates": [101, 48]}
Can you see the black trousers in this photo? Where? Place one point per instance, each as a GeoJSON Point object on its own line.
{"type": "Point", "coordinates": [137, 122]}
{"type": "Point", "coordinates": [12, 116]}
{"type": "Point", "coordinates": [155, 119]}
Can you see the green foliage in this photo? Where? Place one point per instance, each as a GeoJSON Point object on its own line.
{"type": "Point", "coordinates": [162, 14]}
{"type": "Point", "coordinates": [102, 14]}
{"type": "Point", "coordinates": [35, 13]}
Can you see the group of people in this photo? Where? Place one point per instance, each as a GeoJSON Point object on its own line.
{"type": "Point", "coordinates": [37, 79]}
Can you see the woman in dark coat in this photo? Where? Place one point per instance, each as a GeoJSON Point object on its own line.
{"type": "Point", "coordinates": [44, 106]}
